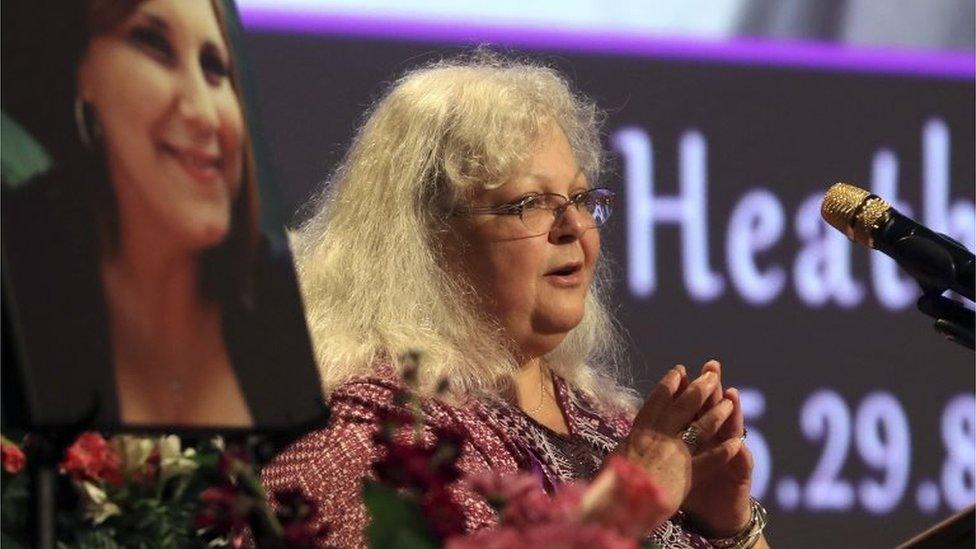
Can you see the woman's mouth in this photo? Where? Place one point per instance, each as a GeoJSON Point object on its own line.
{"type": "Point", "coordinates": [201, 165]}
{"type": "Point", "coordinates": [567, 275]}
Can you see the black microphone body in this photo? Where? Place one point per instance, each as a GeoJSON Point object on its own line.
{"type": "Point", "coordinates": [936, 261]}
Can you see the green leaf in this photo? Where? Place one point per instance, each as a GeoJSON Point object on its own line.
{"type": "Point", "coordinates": [99, 538]}
{"type": "Point", "coordinates": [23, 157]}
{"type": "Point", "coordinates": [397, 521]}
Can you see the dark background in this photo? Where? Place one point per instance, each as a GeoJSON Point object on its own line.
{"type": "Point", "coordinates": [791, 132]}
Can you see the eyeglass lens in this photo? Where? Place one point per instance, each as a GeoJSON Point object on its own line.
{"type": "Point", "coordinates": [595, 205]}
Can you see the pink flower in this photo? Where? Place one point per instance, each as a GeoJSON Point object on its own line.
{"type": "Point", "coordinates": [522, 500]}
{"type": "Point", "coordinates": [92, 458]}
{"type": "Point", "coordinates": [550, 535]}
{"type": "Point", "coordinates": [501, 488]}
{"type": "Point", "coordinates": [620, 506]}
{"type": "Point", "coordinates": [500, 537]}
{"type": "Point", "coordinates": [531, 507]}
{"type": "Point", "coordinates": [567, 500]}
{"type": "Point", "coordinates": [625, 497]}
{"type": "Point", "coordinates": [14, 459]}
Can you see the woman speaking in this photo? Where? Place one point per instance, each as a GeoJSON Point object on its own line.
{"type": "Point", "coordinates": [464, 224]}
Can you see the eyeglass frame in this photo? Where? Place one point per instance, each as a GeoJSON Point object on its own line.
{"type": "Point", "coordinates": [518, 207]}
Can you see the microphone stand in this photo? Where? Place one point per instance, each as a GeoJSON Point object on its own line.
{"type": "Point", "coordinates": [937, 270]}
{"type": "Point", "coordinates": [952, 319]}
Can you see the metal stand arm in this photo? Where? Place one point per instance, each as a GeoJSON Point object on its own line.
{"type": "Point", "coordinates": [952, 319]}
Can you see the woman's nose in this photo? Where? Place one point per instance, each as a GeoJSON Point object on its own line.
{"type": "Point", "coordinates": [568, 226]}
{"type": "Point", "coordinates": [196, 104]}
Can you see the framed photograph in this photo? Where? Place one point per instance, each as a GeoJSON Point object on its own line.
{"type": "Point", "coordinates": [147, 280]}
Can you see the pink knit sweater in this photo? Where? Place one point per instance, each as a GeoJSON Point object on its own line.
{"type": "Point", "coordinates": [328, 465]}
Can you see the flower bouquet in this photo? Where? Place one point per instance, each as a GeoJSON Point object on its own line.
{"type": "Point", "coordinates": [135, 491]}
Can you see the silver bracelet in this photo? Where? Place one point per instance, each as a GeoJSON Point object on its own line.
{"type": "Point", "coordinates": [745, 539]}
{"type": "Point", "coordinates": [749, 535]}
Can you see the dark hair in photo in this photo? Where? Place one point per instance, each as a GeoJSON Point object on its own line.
{"type": "Point", "coordinates": [40, 94]}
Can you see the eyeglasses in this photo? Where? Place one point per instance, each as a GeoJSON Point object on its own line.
{"type": "Point", "coordinates": [542, 211]}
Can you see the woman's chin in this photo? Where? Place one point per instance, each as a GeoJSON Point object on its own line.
{"type": "Point", "coordinates": [560, 323]}
{"type": "Point", "coordinates": [207, 234]}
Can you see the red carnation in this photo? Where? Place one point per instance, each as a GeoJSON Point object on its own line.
{"type": "Point", "coordinates": [13, 458]}
{"type": "Point", "coordinates": [92, 458]}
{"type": "Point", "coordinates": [225, 510]}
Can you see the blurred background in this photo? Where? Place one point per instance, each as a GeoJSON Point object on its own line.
{"type": "Point", "coordinates": [727, 121]}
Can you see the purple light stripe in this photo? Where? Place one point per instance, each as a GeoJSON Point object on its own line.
{"type": "Point", "coordinates": [803, 55]}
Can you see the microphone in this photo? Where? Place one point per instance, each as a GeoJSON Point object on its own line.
{"type": "Point", "coordinates": [936, 261]}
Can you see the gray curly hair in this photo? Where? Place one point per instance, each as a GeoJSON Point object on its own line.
{"type": "Point", "coordinates": [370, 257]}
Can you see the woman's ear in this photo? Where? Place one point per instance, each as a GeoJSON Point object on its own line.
{"type": "Point", "coordinates": [84, 85]}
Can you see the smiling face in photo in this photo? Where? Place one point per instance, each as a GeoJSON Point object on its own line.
{"type": "Point", "coordinates": [169, 119]}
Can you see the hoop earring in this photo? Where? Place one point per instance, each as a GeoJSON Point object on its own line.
{"type": "Point", "coordinates": [87, 131]}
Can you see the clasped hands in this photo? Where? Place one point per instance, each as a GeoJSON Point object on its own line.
{"type": "Point", "coordinates": [689, 436]}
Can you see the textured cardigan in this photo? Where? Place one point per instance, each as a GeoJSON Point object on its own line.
{"type": "Point", "coordinates": [328, 465]}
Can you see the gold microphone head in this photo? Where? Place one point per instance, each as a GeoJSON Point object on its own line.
{"type": "Point", "coordinates": [854, 212]}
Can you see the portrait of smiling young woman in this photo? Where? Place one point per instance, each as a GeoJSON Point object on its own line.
{"type": "Point", "coordinates": [170, 122]}
{"type": "Point", "coordinates": [176, 303]}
